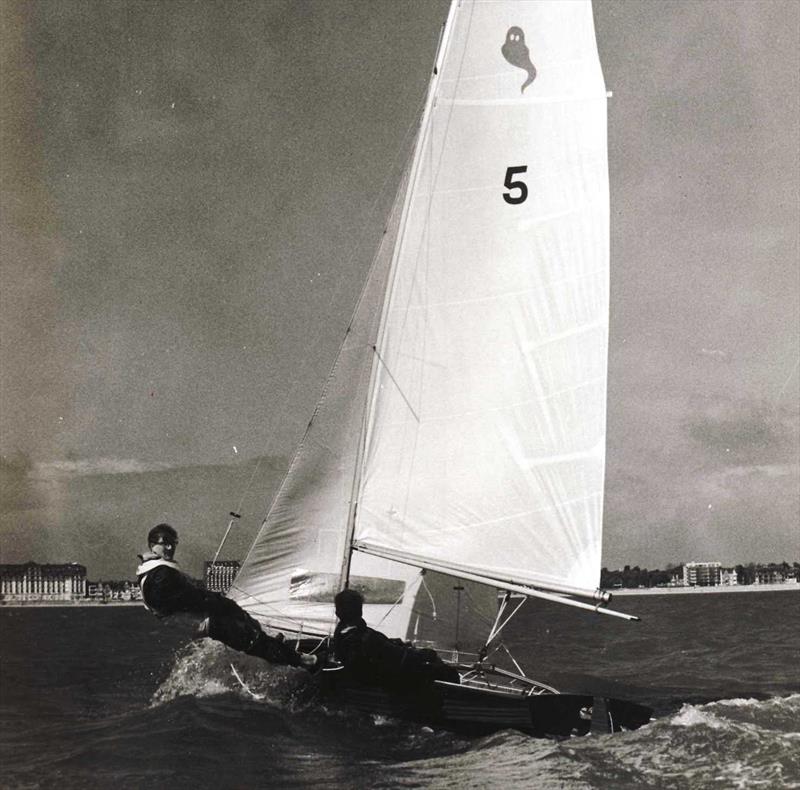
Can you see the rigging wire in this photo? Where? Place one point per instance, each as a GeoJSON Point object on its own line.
{"type": "Point", "coordinates": [392, 607]}
{"type": "Point", "coordinates": [396, 383]}
{"type": "Point", "coordinates": [430, 595]}
{"type": "Point", "coordinates": [497, 629]}
{"type": "Point", "coordinates": [233, 517]}
{"type": "Point", "coordinates": [513, 660]}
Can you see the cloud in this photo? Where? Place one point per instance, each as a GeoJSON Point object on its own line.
{"type": "Point", "coordinates": [101, 519]}
{"type": "Point", "coordinates": [740, 427]}
{"type": "Point", "coordinates": [16, 490]}
{"type": "Point", "coordinates": [97, 466]}
{"type": "Point", "coordinates": [767, 470]}
{"type": "Point", "coordinates": [707, 477]}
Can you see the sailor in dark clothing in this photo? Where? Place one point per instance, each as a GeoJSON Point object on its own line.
{"type": "Point", "coordinates": [166, 590]}
{"type": "Point", "coordinates": [374, 659]}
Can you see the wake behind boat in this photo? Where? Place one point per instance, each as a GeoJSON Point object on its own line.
{"type": "Point", "coordinates": [460, 435]}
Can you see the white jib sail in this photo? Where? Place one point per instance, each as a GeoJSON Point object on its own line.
{"type": "Point", "coordinates": [292, 571]}
{"type": "Point", "coordinates": [486, 438]}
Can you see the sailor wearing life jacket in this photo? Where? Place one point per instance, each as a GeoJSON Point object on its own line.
{"type": "Point", "coordinates": [166, 590]}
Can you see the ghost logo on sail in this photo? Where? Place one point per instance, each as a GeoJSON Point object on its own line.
{"type": "Point", "coordinates": [517, 54]}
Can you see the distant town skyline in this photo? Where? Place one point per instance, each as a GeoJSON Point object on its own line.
{"type": "Point", "coordinates": [191, 195]}
{"type": "Point", "coordinates": [221, 574]}
{"type": "Point", "coordinates": [69, 583]}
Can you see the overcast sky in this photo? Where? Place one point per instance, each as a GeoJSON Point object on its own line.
{"type": "Point", "coordinates": [191, 193]}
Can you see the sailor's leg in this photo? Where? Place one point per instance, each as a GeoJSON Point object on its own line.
{"type": "Point", "coordinates": [239, 630]}
{"type": "Point", "coordinates": [276, 651]}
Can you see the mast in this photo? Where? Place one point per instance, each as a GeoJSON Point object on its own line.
{"type": "Point", "coordinates": [344, 579]}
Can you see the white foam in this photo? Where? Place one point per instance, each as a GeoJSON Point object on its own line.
{"type": "Point", "coordinates": [203, 669]}
{"type": "Point", "coordinates": [193, 674]}
{"type": "Point", "coordinates": [691, 716]}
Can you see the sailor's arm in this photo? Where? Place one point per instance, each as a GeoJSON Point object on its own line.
{"type": "Point", "coordinates": [169, 591]}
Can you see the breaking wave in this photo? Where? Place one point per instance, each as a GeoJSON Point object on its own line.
{"type": "Point", "coordinates": [206, 668]}
{"type": "Point", "coordinates": [739, 743]}
{"type": "Point", "coordinates": [729, 743]}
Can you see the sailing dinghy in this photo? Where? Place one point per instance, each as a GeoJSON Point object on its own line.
{"type": "Point", "coordinates": [458, 447]}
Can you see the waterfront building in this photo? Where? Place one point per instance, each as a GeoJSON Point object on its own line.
{"type": "Point", "coordinates": [770, 575]}
{"type": "Point", "coordinates": [728, 577]}
{"type": "Point", "coordinates": [104, 591]}
{"type": "Point", "coordinates": [702, 574]}
{"type": "Point", "coordinates": [34, 582]}
{"type": "Point", "coordinates": [219, 575]}
{"type": "Point", "coordinates": [95, 591]}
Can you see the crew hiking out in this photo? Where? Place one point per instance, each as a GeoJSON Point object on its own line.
{"type": "Point", "coordinates": [166, 591]}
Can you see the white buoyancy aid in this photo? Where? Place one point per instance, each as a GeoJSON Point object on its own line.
{"type": "Point", "coordinates": [148, 565]}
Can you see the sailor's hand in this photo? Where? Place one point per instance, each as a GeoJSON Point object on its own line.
{"type": "Point", "coordinates": [203, 629]}
{"type": "Point", "coordinates": [310, 662]}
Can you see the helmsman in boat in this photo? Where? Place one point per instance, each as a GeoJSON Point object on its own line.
{"type": "Point", "coordinates": [372, 658]}
{"type": "Point", "coordinates": [166, 590]}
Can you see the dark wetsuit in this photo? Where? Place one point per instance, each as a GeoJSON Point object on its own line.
{"type": "Point", "coordinates": [166, 590]}
{"type": "Point", "coordinates": [374, 659]}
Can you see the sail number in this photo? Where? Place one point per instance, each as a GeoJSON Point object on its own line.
{"type": "Point", "coordinates": [510, 183]}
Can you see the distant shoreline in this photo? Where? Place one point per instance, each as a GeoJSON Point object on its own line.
{"type": "Point", "coordinates": [619, 592]}
{"type": "Point", "coordinates": [742, 588]}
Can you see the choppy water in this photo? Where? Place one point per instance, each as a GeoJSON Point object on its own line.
{"type": "Point", "coordinates": [111, 697]}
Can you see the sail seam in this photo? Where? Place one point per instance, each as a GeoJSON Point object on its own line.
{"type": "Point", "coordinates": [543, 460]}
{"type": "Point", "coordinates": [523, 102]}
{"type": "Point", "coordinates": [544, 175]}
{"type": "Point", "coordinates": [500, 296]}
{"type": "Point", "coordinates": [494, 75]}
{"type": "Point", "coordinates": [510, 406]}
{"type": "Point", "coordinates": [563, 505]}
{"type": "Point", "coordinates": [581, 329]}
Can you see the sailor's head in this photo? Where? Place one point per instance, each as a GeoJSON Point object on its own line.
{"type": "Point", "coordinates": [162, 540]}
{"type": "Point", "coordinates": [349, 605]}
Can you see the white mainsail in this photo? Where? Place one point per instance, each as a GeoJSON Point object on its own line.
{"type": "Point", "coordinates": [471, 438]}
{"type": "Point", "coordinates": [486, 444]}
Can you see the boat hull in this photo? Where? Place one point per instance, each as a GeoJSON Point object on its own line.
{"type": "Point", "coordinates": [476, 710]}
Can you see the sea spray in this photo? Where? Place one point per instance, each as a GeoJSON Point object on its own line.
{"type": "Point", "coordinates": [207, 668]}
